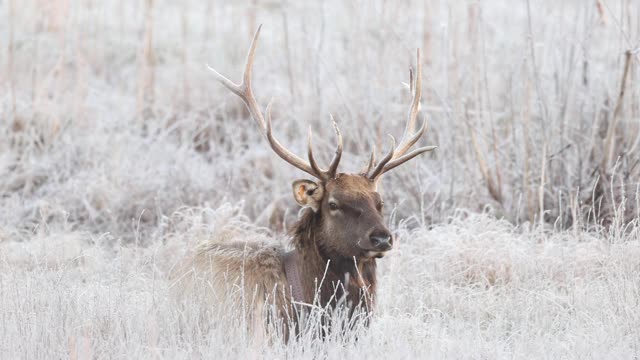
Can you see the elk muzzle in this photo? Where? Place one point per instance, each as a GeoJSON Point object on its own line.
{"type": "Point", "coordinates": [380, 242]}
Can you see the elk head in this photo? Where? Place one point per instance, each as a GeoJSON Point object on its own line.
{"type": "Point", "coordinates": [347, 207]}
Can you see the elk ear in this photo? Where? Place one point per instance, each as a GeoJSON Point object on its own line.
{"type": "Point", "coordinates": [308, 193]}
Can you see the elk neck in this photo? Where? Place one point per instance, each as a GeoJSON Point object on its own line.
{"type": "Point", "coordinates": [353, 278]}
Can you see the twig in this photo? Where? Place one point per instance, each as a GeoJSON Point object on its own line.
{"type": "Point", "coordinates": [610, 143]}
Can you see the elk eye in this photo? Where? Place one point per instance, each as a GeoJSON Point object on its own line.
{"type": "Point", "coordinates": [333, 206]}
{"type": "Point", "coordinates": [380, 204]}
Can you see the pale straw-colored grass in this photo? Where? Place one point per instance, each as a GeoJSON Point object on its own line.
{"type": "Point", "coordinates": [518, 236]}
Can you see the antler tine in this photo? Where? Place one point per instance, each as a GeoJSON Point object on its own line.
{"type": "Point", "coordinates": [411, 84]}
{"type": "Point", "coordinates": [409, 138]}
{"type": "Point", "coordinates": [416, 90]}
{"type": "Point", "coordinates": [248, 66]}
{"type": "Point", "coordinates": [338, 155]}
{"type": "Point", "coordinates": [285, 154]}
{"type": "Point", "coordinates": [406, 144]}
{"type": "Point", "coordinates": [379, 170]}
{"type": "Point", "coordinates": [372, 160]}
{"type": "Point", "coordinates": [245, 92]}
{"type": "Point", "coordinates": [399, 161]}
{"type": "Point", "coordinates": [331, 173]}
{"type": "Point", "coordinates": [312, 159]}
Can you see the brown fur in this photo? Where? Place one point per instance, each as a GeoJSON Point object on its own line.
{"type": "Point", "coordinates": [229, 271]}
{"type": "Point", "coordinates": [330, 274]}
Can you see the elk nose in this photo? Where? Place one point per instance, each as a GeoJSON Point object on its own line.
{"type": "Point", "coordinates": [381, 241]}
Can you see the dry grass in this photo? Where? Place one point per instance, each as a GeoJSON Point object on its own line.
{"type": "Point", "coordinates": [119, 152]}
{"type": "Point", "coordinates": [473, 288]}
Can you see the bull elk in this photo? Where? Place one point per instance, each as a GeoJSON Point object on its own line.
{"type": "Point", "coordinates": [336, 240]}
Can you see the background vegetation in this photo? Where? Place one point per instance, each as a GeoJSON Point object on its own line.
{"type": "Point", "coordinates": [118, 152]}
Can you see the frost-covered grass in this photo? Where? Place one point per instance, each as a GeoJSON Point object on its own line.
{"type": "Point", "coordinates": [475, 287]}
{"type": "Point", "coordinates": [518, 237]}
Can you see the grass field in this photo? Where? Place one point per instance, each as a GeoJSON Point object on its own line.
{"type": "Point", "coordinates": [518, 237]}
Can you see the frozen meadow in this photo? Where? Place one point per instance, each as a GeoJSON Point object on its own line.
{"type": "Point", "coordinates": [519, 237]}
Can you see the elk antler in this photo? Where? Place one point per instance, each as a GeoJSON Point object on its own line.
{"type": "Point", "coordinates": [398, 156]}
{"type": "Point", "coordinates": [245, 92]}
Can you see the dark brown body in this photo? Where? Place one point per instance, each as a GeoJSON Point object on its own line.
{"type": "Point", "coordinates": [332, 277]}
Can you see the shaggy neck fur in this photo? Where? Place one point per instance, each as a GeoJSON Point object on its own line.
{"type": "Point", "coordinates": [353, 280]}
